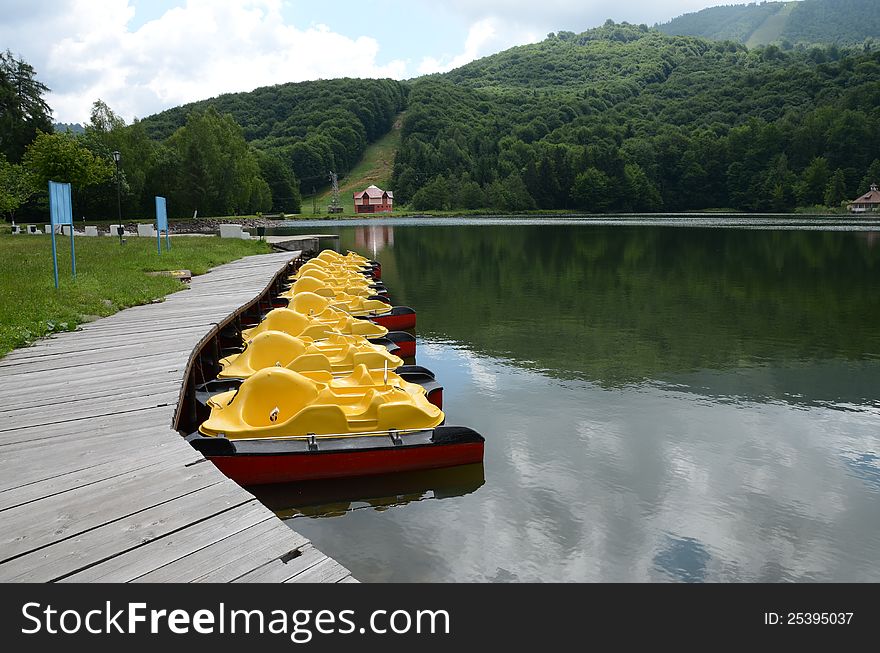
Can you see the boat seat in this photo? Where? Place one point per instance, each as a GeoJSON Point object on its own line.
{"type": "Point", "coordinates": [277, 392]}
{"type": "Point", "coordinates": [281, 319]}
{"type": "Point", "coordinates": [301, 325]}
{"type": "Point", "coordinates": [338, 353]}
{"type": "Point", "coordinates": [308, 303]}
{"type": "Point", "coordinates": [281, 402]}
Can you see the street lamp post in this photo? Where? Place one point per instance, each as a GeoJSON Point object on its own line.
{"type": "Point", "coordinates": [117, 157]}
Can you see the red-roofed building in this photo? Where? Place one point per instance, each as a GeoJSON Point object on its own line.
{"type": "Point", "coordinates": [373, 200]}
{"type": "Point", "coordinates": [870, 201]}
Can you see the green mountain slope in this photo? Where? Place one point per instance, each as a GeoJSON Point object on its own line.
{"type": "Point", "coordinates": [314, 127]}
{"type": "Point", "coordinates": [773, 26]}
{"type": "Point", "coordinates": [724, 23]}
{"type": "Point", "coordinates": [624, 118]}
{"type": "Point", "coordinates": [374, 168]}
{"type": "Point", "coordinates": [842, 22]}
{"type": "Point", "coordinates": [618, 118]}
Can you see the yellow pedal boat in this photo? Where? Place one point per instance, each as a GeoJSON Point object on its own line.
{"type": "Point", "coordinates": [329, 256]}
{"type": "Point", "coordinates": [356, 382]}
{"type": "Point", "coordinates": [334, 278]}
{"type": "Point", "coordinates": [337, 354]}
{"type": "Point", "coordinates": [301, 324]}
{"type": "Point", "coordinates": [325, 308]}
{"type": "Point", "coordinates": [278, 403]}
{"type": "Point", "coordinates": [326, 289]}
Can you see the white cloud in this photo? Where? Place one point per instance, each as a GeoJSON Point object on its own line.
{"type": "Point", "coordinates": [85, 51]}
{"type": "Point", "coordinates": [89, 49]}
{"type": "Point", "coordinates": [496, 25]}
{"type": "Point", "coordinates": [484, 37]}
{"type": "Point", "coordinates": [573, 15]}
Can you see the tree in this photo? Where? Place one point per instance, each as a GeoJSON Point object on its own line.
{"type": "Point", "coordinates": [835, 192]}
{"type": "Point", "coordinates": [23, 112]}
{"type": "Point", "coordinates": [16, 186]}
{"type": "Point", "coordinates": [592, 190]}
{"type": "Point", "coordinates": [282, 182]}
{"type": "Point", "coordinates": [814, 182]}
{"type": "Point", "coordinates": [433, 195]}
{"type": "Point", "coordinates": [103, 119]}
{"type": "Point", "coordinates": [105, 133]}
{"type": "Point", "coordinates": [641, 192]}
{"type": "Point", "coordinates": [777, 189]}
{"type": "Point", "coordinates": [511, 194]}
{"type": "Point", "coordinates": [61, 157]}
{"type": "Point", "coordinates": [220, 174]}
{"type": "Point", "coordinates": [469, 195]}
{"type": "Point", "coordinates": [872, 177]}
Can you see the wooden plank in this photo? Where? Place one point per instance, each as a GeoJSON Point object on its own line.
{"type": "Point", "coordinates": [26, 463]}
{"type": "Point", "coordinates": [85, 335]}
{"type": "Point", "coordinates": [102, 434]}
{"type": "Point", "coordinates": [60, 482]}
{"type": "Point", "coordinates": [278, 542]}
{"type": "Point", "coordinates": [78, 555]}
{"type": "Point", "coordinates": [91, 403]}
{"type": "Point", "coordinates": [37, 417]}
{"type": "Point", "coordinates": [33, 381]}
{"type": "Point", "coordinates": [245, 544]}
{"type": "Point", "coordinates": [40, 523]}
{"type": "Point", "coordinates": [109, 347]}
{"type": "Point", "coordinates": [326, 571]}
{"type": "Point", "coordinates": [125, 356]}
{"type": "Point", "coordinates": [282, 569]}
{"type": "Point", "coordinates": [116, 424]}
{"type": "Point", "coordinates": [122, 384]}
{"type": "Point", "coordinates": [170, 548]}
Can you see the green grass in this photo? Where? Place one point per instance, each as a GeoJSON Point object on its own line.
{"type": "Point", "coordinates": [110, 277]}
{"type": "Point", "coordinates": [771, 28]}
{"type": "Point", "coordinates": [374, 168]}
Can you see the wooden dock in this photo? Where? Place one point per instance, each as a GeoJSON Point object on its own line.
{"type": "Point", "coordinates": [306, 243]}
{"type": "Point", "coordinates": [94, 483]}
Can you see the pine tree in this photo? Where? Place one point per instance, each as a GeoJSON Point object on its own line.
{"type": "Point", "coordinates": [23, 112]}
{"type": "Point", "coordinates": [835, 193]}
{"type": "Point", "coordinates": [814, 182]}
{"type": "Point", "coordinates": [872, 177]}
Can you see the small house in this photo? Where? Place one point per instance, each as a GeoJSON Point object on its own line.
{"type": "Point", "coordinates": [870, 201]}
{"type": "Point", "coordinates": [373, 200]}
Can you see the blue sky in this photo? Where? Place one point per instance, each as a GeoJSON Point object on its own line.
{"type": "Point", "coordinates": [143, 56]}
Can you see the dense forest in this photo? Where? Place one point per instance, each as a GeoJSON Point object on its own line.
{"type": "Point", "coordinates": [313, 127]}
{"type": "Point", "coordinates": [624, 118]}
{"type": "Point", "coordinates": [841, 22]}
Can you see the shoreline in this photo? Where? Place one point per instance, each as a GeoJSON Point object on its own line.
{"type": "Point", "coordinates": [211, 226]}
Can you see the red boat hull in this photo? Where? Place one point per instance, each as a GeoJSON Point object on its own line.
{"type": "Point", "coordinates": [286, 468]}
{"type": "Point", "coordinates": [400, 319]}
{"type": "Point", "coordinates": [407, 349]}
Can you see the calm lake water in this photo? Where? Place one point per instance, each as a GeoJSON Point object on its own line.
{"type": "Point", "coordinates": [659, 404]}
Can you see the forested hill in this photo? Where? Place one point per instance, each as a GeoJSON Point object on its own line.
{"type": "Point", "coordinates": [313, 127]}
{"type": "Point", "coordinates": [618, 118]}
{"type": "Point", "coordinates": [841, 22]}
{"type": "Point", "coordinates": [626, 118]}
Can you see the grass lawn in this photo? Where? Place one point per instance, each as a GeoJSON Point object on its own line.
{"type": "Point", "coordinates": [109, 277]}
